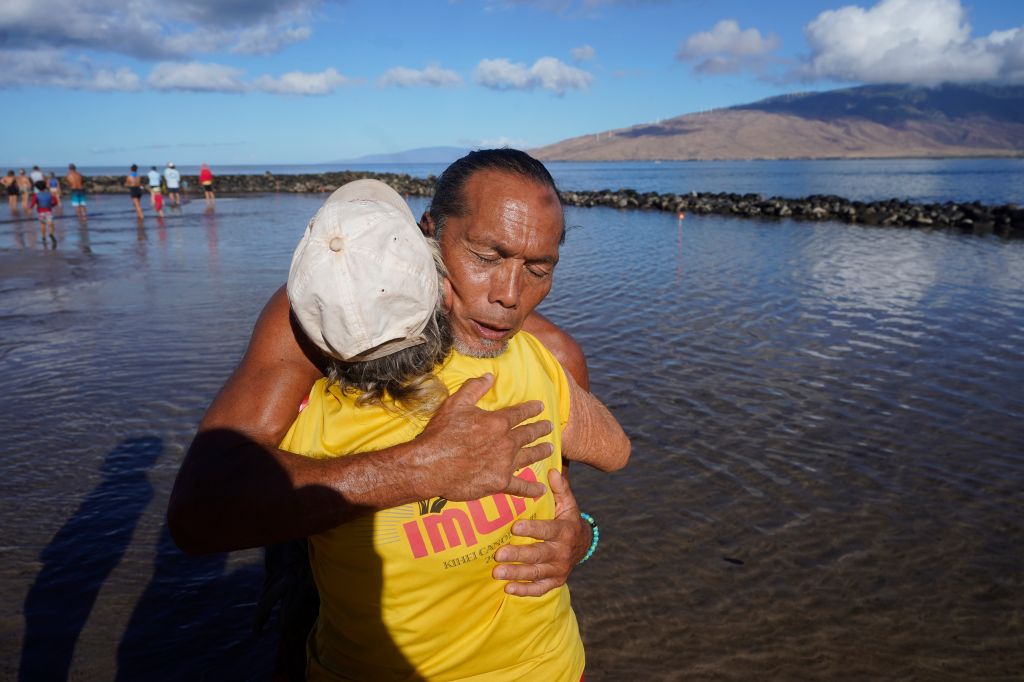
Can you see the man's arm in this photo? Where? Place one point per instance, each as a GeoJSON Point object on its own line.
{"type": "Point", "coordinates": [236, 489]}
{"type": "Point", "coordinates": [563, 541]}
{"type": "Point", "coordinates": [592, 435]}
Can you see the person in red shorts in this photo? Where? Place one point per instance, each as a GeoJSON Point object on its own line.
{"type": "Point", "coordinates": [206, 180]}
{"type": "Point", "coordinates": [43, 201]}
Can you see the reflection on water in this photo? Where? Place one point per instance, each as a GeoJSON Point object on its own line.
{"type": "Point", "coordinates": [826, 422]}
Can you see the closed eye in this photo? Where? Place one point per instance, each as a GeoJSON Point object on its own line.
{"type": "Point", "coordinates": [538, 272]}
{"type": "Point", "coordinates": [486, 258]}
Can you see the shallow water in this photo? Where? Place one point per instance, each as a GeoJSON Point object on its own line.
{"type": "Point", "coordinates": [827, 426]}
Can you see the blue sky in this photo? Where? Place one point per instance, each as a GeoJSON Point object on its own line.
{"type": "Point", "coordinates": [109, 82]}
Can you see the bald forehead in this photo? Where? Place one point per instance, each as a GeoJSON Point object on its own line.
{"type": "Point", "coordinates": [518, 198]}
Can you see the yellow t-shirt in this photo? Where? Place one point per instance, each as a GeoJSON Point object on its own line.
{"type": "Point", "coordinates": [407, 593]}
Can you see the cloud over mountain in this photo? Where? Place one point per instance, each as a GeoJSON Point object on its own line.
{"type": "Point", "coordinates": [726, 48]}
{"type": "Point", "coordinates": [909, 41]}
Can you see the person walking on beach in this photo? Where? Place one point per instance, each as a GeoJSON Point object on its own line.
{"type": "Point", "coordinates": [206, 180]}
{"type": "Point", "coordinates": [157, 196]}
{"type": "Point", "coordinates": [173, 179]}
{"type": "Point", "coordinates": [154, 185]}
{"type": "Point", "coordinates": [25, 189]}
{"type": "Point", "coordinates": [10, 183]}
{"type": "Point", "coordinates": [134, 185]}
{"type": "Point", "coordinates": [42, 200]}
{"type": "Point", "coordinates": [53, 183]}
{"type": "Point", "coordinates": [77, 184]}
{"type": "Point", "coordinates": [36, 176]}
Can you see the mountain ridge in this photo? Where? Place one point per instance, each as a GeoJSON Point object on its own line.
{"type": "Point", "coordinates": [875, 121]}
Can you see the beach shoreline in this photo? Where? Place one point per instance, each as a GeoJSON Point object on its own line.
{"type": "Point", "coordinates": [1006, 220]}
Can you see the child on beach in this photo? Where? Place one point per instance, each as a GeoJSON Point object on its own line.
{"type": "Point", "coordinates": [158, 200]}
{"type": "Point", "coordinates": [43, 202]}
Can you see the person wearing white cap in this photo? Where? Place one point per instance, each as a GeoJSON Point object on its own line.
{"type": "Point", "coordinates": [407, 591]}
{"type": "Point", "coordinates": [502, 224]}
{"type": "Point", "coordinates": [173, 179]}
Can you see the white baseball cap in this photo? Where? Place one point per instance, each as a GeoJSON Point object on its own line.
{"type": "Point", "coordinates": [363, 283]}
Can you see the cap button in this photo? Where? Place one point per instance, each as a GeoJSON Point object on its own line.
{"type": "Point", "coordinates": [337, 243]}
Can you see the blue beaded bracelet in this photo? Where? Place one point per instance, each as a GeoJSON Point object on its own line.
{"type": "Point", "coordinates": [595, 535]}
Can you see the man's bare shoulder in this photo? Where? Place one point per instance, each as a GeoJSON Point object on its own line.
{"type": "Point", "coordinates": [561, 345]}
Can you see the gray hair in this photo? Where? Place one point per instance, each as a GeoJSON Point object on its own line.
{"type": "Point", "coordinates": [407, 376]}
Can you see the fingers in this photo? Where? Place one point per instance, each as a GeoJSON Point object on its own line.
{"type": "Point", "coordinates": [538, 529]}
{"type": "Point", "coordinates": [516, 414]}
{"type": "Point", "coordinates": [532, 589]}
{"type": "Point", "coordinates": [529, 580]}
{"type": "Point", "coordinates": [565, 501]}
{"type": "Point", "coordinates": [527, 456]}
{"type": "Point", "coordinates": [527, 433]}
{"type": "Point", "coordinates": [520, 488]}
{"type": "Point", "coordinates": [472, 390]}
{"type": "Point", "coordinates": [521, 555]}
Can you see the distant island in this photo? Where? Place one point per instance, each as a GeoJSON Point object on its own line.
{"type": "Point", "coordinates": [420, 155]}
{"type": "Point", "coordinates": [875, 121]}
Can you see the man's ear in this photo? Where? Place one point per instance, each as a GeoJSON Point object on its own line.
{"type": "Point", "coordinates": [427, 224]}
{"type": "Point", "coordinates": [446, 295]}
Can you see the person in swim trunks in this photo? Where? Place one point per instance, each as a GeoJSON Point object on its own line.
{"type": "Point", "coordinates": [206, 180]}
{"type": "Point", "coordinates": [25, 188]}
{"type": "Point", "coordinates": [77, 184]}
{"type": "Point", "coordinates": [173, 179]}
{"type": "Point", "coordinates": [134, 185]}
{"type": "Point", "coordinates": [10, 183]}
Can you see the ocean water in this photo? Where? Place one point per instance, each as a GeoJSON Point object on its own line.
{"type": "Point", "coordinates": [827, 425]}
{"type": "Point", "coordinates": [990, 181]}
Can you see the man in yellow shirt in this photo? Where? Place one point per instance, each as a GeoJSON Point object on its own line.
{"type": "Point", "coordinates": [407, 592]}
{"type": "Point", "coordinates": [489, 203]}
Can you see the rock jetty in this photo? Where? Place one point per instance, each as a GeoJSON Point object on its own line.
{"type": "Point", "coordinates": [1005, 220]}
{"type": "Point", "coordinates": [268, 182]}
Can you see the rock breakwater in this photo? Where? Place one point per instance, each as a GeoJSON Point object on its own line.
{"type": "Point", "coordinates": [1005, 220]}
{"type": "Point", "coordinates": [269, 182]}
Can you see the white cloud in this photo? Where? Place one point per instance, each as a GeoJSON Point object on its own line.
{"type": "Point", "coordinates": [120, 80]}
{"type": "Point", "coordinates": [583, 53]}
{"type": "Point", "coordinates": [726, 48]}
{"type": "Point", "coordinates": [154, 29]}
{"type": "Point", "coordinates": [51, 68]}
{"type": "Point", "coordinates": [433, 76]}
{"type": "Point", "coordinates": [909, 41]}
{"type": "Point", "coordinates": [268, 38]}
{"type": "Point", "coordinates": [301, 83]}
{"type": "Point", "coordinates": [547, 73]}
{"type": "Point", "coordinates": [196, 77]}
